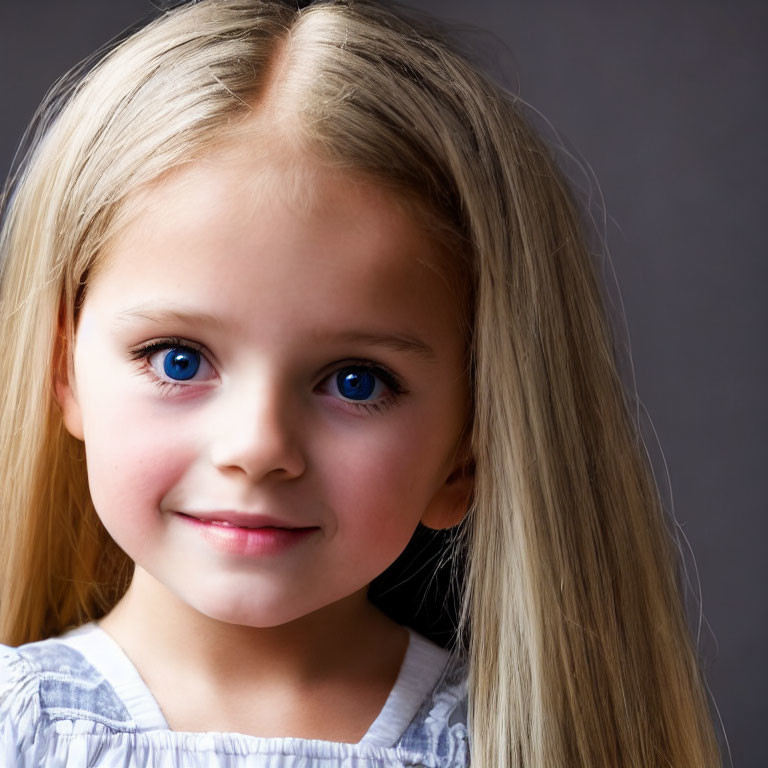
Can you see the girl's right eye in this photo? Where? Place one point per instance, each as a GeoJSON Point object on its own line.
{"type": "Point", "coordinates": [171, 362]}
{"type": "Point", "coordinates": [178, 363]}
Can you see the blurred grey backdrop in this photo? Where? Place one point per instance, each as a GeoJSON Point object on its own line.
{"type": "Point", "coordinates": [666, 101]}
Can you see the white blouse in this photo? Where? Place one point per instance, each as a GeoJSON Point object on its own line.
{"type": "Point", "coordinates": [77, 701]}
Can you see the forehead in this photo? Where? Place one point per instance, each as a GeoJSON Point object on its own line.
{"type": "Point", "coordinates": [293, 230]}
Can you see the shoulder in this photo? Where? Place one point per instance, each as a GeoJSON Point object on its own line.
{"type": "Point", "coordinates": [19, 701]}
{"type": "Point", "coordinates": [45, 682]}
{"type": "Point", "coordinates": [439, 728]}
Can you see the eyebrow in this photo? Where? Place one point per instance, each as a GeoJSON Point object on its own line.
{"type": "Point", "coordinates": [400, 342]}
{"type": "Point", "coordinates": [165, 315]}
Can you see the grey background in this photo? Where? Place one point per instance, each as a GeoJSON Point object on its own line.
{"type": "Point", "coordinates": [667, 103]}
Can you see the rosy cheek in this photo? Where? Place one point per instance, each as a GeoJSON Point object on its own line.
{"type": "Point", "coordinates": [132, 459]}
{"type": "Point", "coordinates": [366, 485]}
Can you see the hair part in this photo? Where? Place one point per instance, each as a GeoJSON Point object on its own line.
{"type": "Point", "coordinates": [578, 649]}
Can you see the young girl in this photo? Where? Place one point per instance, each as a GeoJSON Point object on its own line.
{"type": "Point", "coordinates": [282, 289]}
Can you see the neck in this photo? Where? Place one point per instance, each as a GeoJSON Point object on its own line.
{"type": "Point", "coordinates": [157, 630]}
{"type": "Point", "coordinates": [325, 675]}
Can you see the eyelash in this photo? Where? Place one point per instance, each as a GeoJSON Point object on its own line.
{"type": "Point", "coordinates": [393, 382]}
{"type": "Point", "coordinates": [143, 354]}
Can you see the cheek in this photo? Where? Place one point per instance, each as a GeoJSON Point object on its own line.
{"type": "Point", "coordinates": [379, 487]}
{"type": "Point", "coordinates": [120, 475]}
{"type": "Point", "coordinates": [132, 458]}
{"type": "Point", "coordinates": [376, 469]}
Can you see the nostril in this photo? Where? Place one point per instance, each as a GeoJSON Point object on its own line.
{"type": "Point", "coordinates": [258, 455]}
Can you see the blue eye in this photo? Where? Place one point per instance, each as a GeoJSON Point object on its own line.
{"type": "Point", "coordinates": [181, 364]}
{"type": "Point", "coordinates": [355, 383]}
{"type": "Point", "coordinates": [172, 363]}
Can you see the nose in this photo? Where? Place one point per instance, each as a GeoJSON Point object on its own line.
{"type": "Point", "coordinates": [255, 433]}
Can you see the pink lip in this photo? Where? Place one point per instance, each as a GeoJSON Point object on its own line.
{"type": "Point", "coordinates": [238, 533]}
{"type": "Point", "coordinates": [241, 519]}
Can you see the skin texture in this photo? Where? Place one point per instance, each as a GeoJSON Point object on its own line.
{"type": "Point", "coordinates": [268, 269]}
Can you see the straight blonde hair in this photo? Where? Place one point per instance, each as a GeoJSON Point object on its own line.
{"type": "Point", "coordinates": [578, 649]}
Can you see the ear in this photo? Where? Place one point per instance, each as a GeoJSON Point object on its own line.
{"type": "Point", "coordinates": [64, 389]}
{"type": "Point", "coordinates": [451, 501]}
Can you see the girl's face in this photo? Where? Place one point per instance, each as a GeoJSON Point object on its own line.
{"type": "Point", "coordinates": [268, 377]}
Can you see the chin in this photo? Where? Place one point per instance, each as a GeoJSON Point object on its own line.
{"type": "Point", "coordinates": [248, 610]}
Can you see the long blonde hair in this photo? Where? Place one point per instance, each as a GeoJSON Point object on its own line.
{"type": "Point", "coordinates": [578, 650]}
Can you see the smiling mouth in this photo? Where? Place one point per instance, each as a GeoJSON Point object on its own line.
{"type": "Point", "coordinates": [243, 520]}
{"type": "Point", "coordinates": [252, 536]}
{"type": "Point", "coordinates": [246, 527]}
{"type": "Point", "coordinates": [227, 524]}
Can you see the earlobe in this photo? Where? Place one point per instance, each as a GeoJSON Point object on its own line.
{"type": "Point", "coordinates": [64, 389]}
{"type": "Point", "coordinates": [70, 409]}
{"type": "Point", "coordinates": [450, 504]}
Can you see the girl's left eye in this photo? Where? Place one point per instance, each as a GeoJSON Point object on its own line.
{"type": "Point", "coordinates": [364, 385]}
{"type": "Point", "coordinates": [357, 384]}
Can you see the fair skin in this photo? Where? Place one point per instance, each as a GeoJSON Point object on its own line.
{"type": "Point", "coordinates": [269, 380]}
